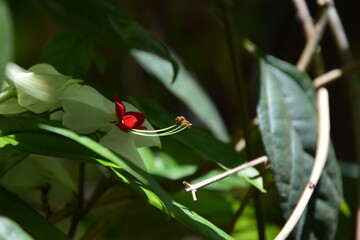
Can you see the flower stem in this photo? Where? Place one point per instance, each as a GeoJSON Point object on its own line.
{"type": "Point", "coordinates": [80, 199]}
{"type": "Point", "coordinates": [238, 80]}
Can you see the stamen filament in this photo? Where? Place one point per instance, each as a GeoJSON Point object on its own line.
{"type": "Point", "coordinates": [154, 131]}
{"type": "Point", "coordinates": [173, 131]}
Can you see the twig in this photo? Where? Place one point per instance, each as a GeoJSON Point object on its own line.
{"type": "Point", "coordinates": [80, 198]}
{"type": "Point", "coordinates": [244, 202]}
{"type": "Point", "coordinates": [109, 218]}
{"type": "Point", "coordinates": [305, 18]}
{"type": "Point", "coordinates": [353, 89]}
{"type": "Point", "coordinates": [319, 163]}
{"type": "Point", "coordinates": [238, 79]}
{"type": "Point", "coordinates": [45, 199]}
{"type": "Point", "coordinates": [194, 187]}
{"type": "Point", "coordinates": [335, 74]}
{"type": "Point", "coordinates": [313, 42]}
{"type": "Point", "coordinates": [100, 190]}
{"type": "Point", "coordinates": [306, 21]}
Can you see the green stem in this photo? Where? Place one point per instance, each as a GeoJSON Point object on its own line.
{"type": "Point", "coordinates": [245, 201]}
{"type": "Point", "coordinates": [243, 98]}
{"type": "Point", "coordinates": [100, 190]}
{"type": "Point", "coordinates": [238, 80]}
{"type": "Point", "coordinates": [80, 199]}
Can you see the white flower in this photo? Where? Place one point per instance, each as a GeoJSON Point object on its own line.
{"type": "Point", "coordinates": [39, 88]}
{"type": "Point", "coordinates": [86, 110]}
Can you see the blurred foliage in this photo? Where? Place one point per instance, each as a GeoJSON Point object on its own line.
{"type": "Point", "coordinates": [194, 31]}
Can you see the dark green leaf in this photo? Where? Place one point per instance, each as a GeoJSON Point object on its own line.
{"type": "Point", "coordinates": [29, 220]}
{"type": "Point", "coordinates": [69, 53]}
{"type": "Point", "coordinates": [22, 133]}
{"type": "Point", "coordinates": [6, 38]}
{"type": "Point", "coordinates": [103, 21]}
{"type": "Point", "coordinates": [288, 123]}
{"type": "Point", "coordinates": [197, 139]}
{"type": "Point", "coordinates": [9, 157]}
{"type": "Point", "coordinates": [10, 230]}
{"type": "Point", "coordinates": [186, 85]}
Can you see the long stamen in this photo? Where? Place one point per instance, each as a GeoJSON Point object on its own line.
{"type": "Point", "coordinates": [181, 124]}
{"type": "Point", "coordinates": [175, 130]}
{"type": "Point", "coordinates": [154, 131]}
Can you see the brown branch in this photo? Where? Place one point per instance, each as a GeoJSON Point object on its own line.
{"type": "Point", "coordinates": [319, 163]}
{"type": "Point", "coordinates": [335, 74]}
{"type": "Point", "coordinates": [353, 87]}
{"type": "Point", "coordinates": [313, 42]}
{"type": "Point", "coordinates": [306, 21]}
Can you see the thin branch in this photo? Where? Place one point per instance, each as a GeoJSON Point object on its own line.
{"type": "Point", "coordinates": [319, 163]}
{"type": "Point", "coordinates": [238, 79]}
{"type": "Point", "coordinates": [353, 87]}
{"type": "Point", "coordinates": [80, 200]}
{"type": "Point", "coordinates": [335, 74]}
{"type": "Point", "coordinates": [102, 187]}
{"type": "Point", "coordinates": [194, 187]}
{"type": "Point", "coordinates": [313, 42]}
{"type": "Point", "coordinates": [306, 21]}
{"type": "Point", "coordinates": [245, 201]}
{"type": "Point", "coordinates": [101, 223]}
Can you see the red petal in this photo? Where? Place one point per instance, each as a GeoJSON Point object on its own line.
{"type": "Point", "coordinates": [129, 121]}
{"type": "Point", "coordinates": [122, 127]}
{"type": "Point", "coordinates": [139, 117]}
{"type": "Point", "coordinates": [119, 107]}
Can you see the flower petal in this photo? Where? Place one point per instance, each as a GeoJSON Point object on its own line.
{"type": "Point", "coordinates": [119, 107]}
{"type": "Point", "coordinates": [129, 121]}
{"type": "Point", "coordinates": [123, 144]}
{"type": "Point", "coordinates": [86, 110]}
{"type": "Point", "coordinates": [11, 106]}
{"type": "Point", "coordinates": [140, 118]}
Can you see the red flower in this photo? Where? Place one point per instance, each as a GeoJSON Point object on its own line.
{"type": "Point", "coordinates": [128, 120]}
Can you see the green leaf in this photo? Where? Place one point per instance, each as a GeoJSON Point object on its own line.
{"type": "Point", "coordinates": [104, 22]}
{"type": "Point", "coordinates": [10, 230]}
{"type": "Point", "coordinates": [288, 124]}
{"type": "Point", "coordinates": [199, 140]}
{"type": "Point", "coordinates": [29, 220]}
{"type": "Point", "coordinates": [183, 214]}
{"type": "Point", "coordinates": [185, 86]}
{"type": "Point", "coordinates": [6, 38]}
{"type": "Point", "coordinates": [23, 133]}
{"type": "Point", "coordinates": [37, 171]}
{"type": "Point", "coordinates": [9, 157]}
{"type": "Point", "coordinates": [20, 132]}
{"type": "Point", "coordinates": [162, 164]}
{"type": "Point", "coordinates": [69, 53]}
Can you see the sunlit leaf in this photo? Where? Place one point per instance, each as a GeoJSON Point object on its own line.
{"type": "Point", "coordinates": [185, 215]}
{"type": "Point", "coordinates": [199, 140]}
{"type": "Point", "coordinates": [288, 123]}
{"type": "Point", "coordinates": [26, 127]}
{"type": "Point", "coordinates": [10, 230]}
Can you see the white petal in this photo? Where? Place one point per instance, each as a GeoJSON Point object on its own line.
{"type": "Point", "coordinates": [143, 141]}
{"type": "Point", "coordinates": [39, 88]}
{"type": "Point", "coordinates": [11, 106]}
{"type": "Point", "coordinates": [123, 144]}
{"type": "Point", "coordinates": [86, 110]}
